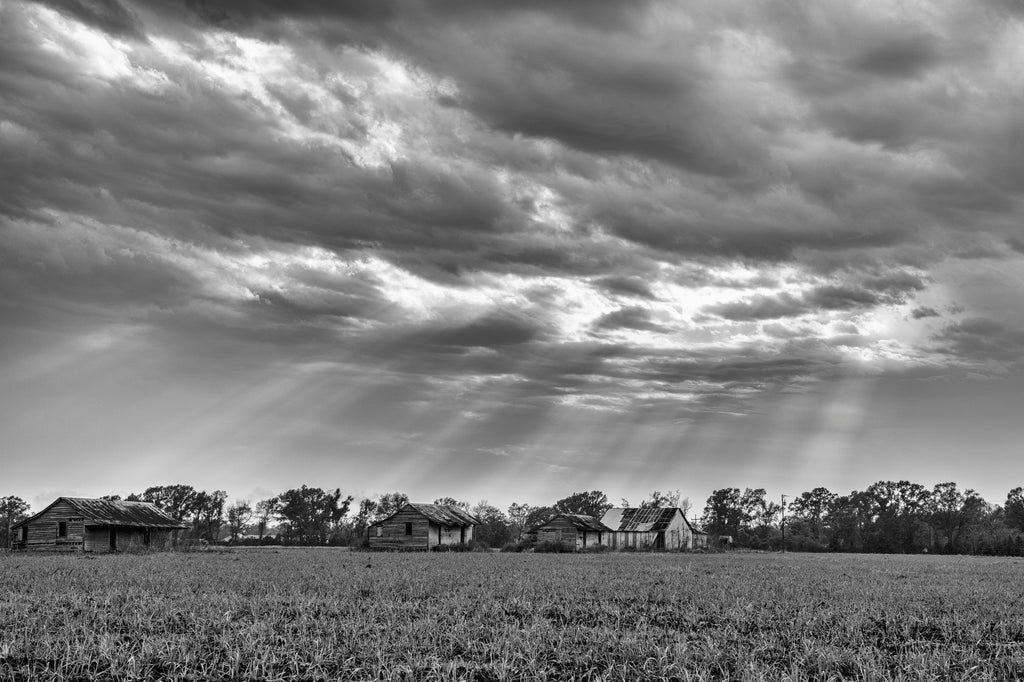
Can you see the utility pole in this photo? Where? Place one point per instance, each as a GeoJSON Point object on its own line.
{"type": "Point", "coordinates": [783, 523]}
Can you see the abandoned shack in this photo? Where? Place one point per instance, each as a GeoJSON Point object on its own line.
{"type": "Point", "coordinates": [573, 531]}
{"type": "Point", "coordinates": [88, 525]}
{"type": "Point", "coordinates": [422, 526]}
{"type": "Point", "coordinates": [651, 528]}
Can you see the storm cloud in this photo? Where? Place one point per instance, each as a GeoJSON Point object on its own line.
{"type": "Point", "coordinates": [489, 213]}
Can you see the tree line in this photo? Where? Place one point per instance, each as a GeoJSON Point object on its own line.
{"type": "Point", "coordinates": [312, 516]}
{"type": "Point", "coordinates": [886, 517]}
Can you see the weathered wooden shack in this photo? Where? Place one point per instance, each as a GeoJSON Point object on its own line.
{"type": "Point", "coordinates": [573, 531]}
{"type": "Point", "coordinates": [650, 528]}
{"type": "Point", "coordinates": [422, 526]}
{"type": "Point", "coordinates": [88, 525]}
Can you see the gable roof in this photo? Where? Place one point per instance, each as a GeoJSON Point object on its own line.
{"type": "Point", "coordinates": [642, 519]}
{"type": "Point", "coordinates": [441, 514]}
{"type": "Point", "coordinates": [114, 513]}
{"type": "Point", "coordinates": [579, 522]}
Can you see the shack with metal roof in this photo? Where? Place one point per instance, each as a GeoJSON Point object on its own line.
{"type": "Point", "coordinates": [573, 531]}
{"type": "Point", "coordinates": [419, 526]}
{"type": "Point", "coordinates": [650, 528]}
{"type": "Point", "coordinates": [91, 525]}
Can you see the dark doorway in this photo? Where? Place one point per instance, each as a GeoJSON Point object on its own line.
{"type": "Point", "coordinates": [113, 539]}
{"type": "Point", "coordinates": [659, 540]}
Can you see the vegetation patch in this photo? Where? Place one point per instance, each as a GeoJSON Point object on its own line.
{"type": "Point", "coordinates": [326, 614]}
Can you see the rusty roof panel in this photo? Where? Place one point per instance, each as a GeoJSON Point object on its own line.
{"type": "Point", "coordinates": [585, 522]}
{"type": "Point", "coordinates": [120, 513]}
{"type": "Point", "coordinates": [441, 514]}
{"type": "Point", "coordinates": [579, 522]}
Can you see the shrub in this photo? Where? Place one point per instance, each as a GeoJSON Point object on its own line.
{"type": "Point", "coordinates": [471, 546]}
{"type": "Point", "coordinates": [551, 547]}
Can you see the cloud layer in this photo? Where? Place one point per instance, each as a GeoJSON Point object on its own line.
{"type": "Point", "coordinates": [649, 211]}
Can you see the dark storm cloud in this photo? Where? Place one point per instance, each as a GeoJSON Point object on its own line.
{"type": "Point", "coordinates": [629, 286]}
{"type": "Point", "coordinates": [640, 147]}
{"type": "Point", "coordinates": [628, 318]}
{"type": "Point", "coordinates": [761, 308]}
{"type": "Point", "coordinates": [600, 93]}
{"type": "Point", "coordinates": [923, 312]}
{"type": "Point", "coordinates": [494, 330]}
{"type": "Point", "coordinates": [542, 87]}
{"type": "Point", "coordinates": [890, 288]}
{"type": "Point", "coordinates": [603, 13]}
{"type": "Point", "coordinates": [85, 274]}
{"type": "Point", "coordinates": [982, 339]}
{"type": "Point", "coordinates": [420, 194]}
{"type": "Point", "coordinates": [841, 297]}
{"type": "Point", "coordinates": [109, 16]}
{"type": "Point", "coordinates": [319, 303]}
{"type": "Point", "coordinates": [532, 78]}
{"type": "Point", "coordinates": [736, 368]}
{"type": "Point", "coordinates": [904, 57]}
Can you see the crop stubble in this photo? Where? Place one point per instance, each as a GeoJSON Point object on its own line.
{"type": "Point", "coordinates": [333, 614]}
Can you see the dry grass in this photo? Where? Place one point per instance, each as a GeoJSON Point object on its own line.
{"type": "Point", "coordinates": [324, 614]}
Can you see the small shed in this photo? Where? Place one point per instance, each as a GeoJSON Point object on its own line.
{"type": "Point", "coordinates": [422, 526]}
{"type": "Point", "coordinates": [700, 539]}
{"type": "Point", "coordinates": [650, 527]}
{"type": "Point", "coordinates": [574, 531]}
{"type": "Point", "coordinates": [88, 525]}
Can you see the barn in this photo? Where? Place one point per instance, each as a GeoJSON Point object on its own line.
{"type": "Point", "coordinates": [650, 528]}
{"type": "Point", "coordinates": [422, 526]}
{"type": "Point", "coordinates": [574, 531]}
{"type": "Point", "coordinates": [83, 524]}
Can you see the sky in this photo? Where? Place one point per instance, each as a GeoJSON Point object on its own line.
{"type": "Point", "coordinates": [510, 250]}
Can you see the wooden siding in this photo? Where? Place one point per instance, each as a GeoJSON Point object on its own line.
{"type": "Point", "coordinates": [127, 539]}
{"type": "Point", "coordinates": [390, 533]}
{"type": "Point", "coordinates": [41, 534]}
{"type": "Point", "coordinates": [560, 531]}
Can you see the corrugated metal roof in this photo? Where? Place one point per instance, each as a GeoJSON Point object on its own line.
{"type": "Point", "coordinates": [586, 522]}
{"type": "Point", "coordinates": [641, 519]}
{"type": "Point", "coordinates": [445, 514]}
{"type": "Point", "coordinates": [580, 522]}
{"type": "Point", "coordinates": [116, 513]}
{"type": "Point", "coordinates": [441, 514]}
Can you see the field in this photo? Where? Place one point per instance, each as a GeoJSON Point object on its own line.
{"type": "Point", "coordinates": [331, 614]}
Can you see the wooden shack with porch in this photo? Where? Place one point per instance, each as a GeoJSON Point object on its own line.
{"type": "Point", "coordinates": [90, 525]}
{"type": "Point", "coordinates": [419, 526]}
{"type": "Point", "coordinates": [573, 531]}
